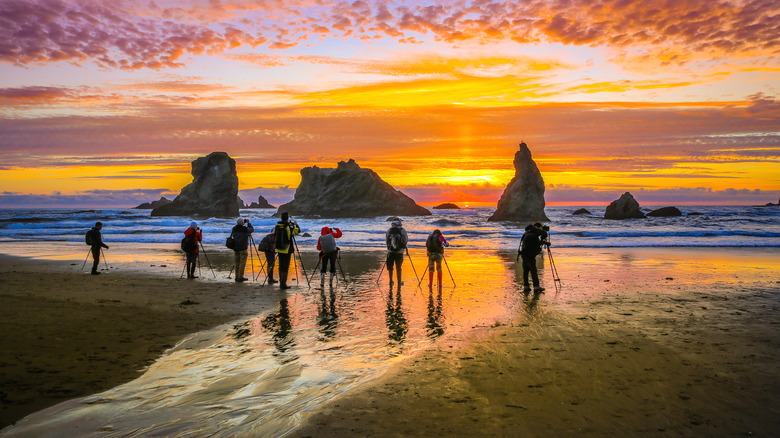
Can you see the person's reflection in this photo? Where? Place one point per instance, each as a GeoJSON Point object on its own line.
{"type": "Point", "coordinates": [397, 325]}
{"type": "Point", "coordinates": [530, 302]}
{"type": "Point", "coordinates": [434, 325]}
{"type": "Point", "coordinates": [328, 318]}
{"type": "Point", "coordinates": [281, 327]}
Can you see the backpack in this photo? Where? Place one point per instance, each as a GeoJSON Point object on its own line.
{"type": "Point", "coordinates": [189, 243]}
{"type": "Point", "coordinates": [267, 244]}
{"type": "Point", "coordinates": [328, 243]}
{"type": "Point", "coordinates": [530, 243]}
{"type": "Point", "coordinates": [88, 238]}
{"type": "Point", "coordinates": [281, 238]}
{"type": "Point", "coordinates": [434, 244]}
{"type": "Point", "coordinates": [396, 239]}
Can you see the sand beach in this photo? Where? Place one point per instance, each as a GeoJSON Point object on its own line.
{"type": "Point", "coordinates": [638, 342]}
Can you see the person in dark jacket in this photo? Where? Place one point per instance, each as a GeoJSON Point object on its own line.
{"type": "Point", "coordinates": [329, 252]}
{"type": "Point", "coordinates": [192, 256]}
{"type": "Point", "coordinates": [267, 247]}
{"type": "Point", "coordinates": [96, 242]}
{"type": "Point", "coordinates": [435, 246]}
{"type": "Point", "coordinates": [530, 247]}
{"type": "Point", "coordinates": [284, 233]}
{"type": "Point", "coordinates": [396, 240]}
{"type": "Point", "coordinates": [241, 233]}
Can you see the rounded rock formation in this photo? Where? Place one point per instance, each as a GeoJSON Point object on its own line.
{"type": "Point", "coordinates": [348, 191]}
{"type": "Point", "coordinates": [624, 208]}
{"type": "Point", "coordinates": [665, 212]}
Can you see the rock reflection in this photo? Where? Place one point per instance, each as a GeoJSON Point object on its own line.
{"type": "Point", "coordinates": [435, 317]}
{"type": "Point", "coordinates": [327, 320]}
{"type": "Point", "coordinates": [397, 325]}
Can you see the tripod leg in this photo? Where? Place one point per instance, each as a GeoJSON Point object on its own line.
{"type": "Point", "coordinates": [104, 258]}
{"type": "Point", "coordinates": [338, 259]}
{"type": "Point", "coordinates": [423, 276]}
{"type": "Point", "coordinates": [448, 270]}
{"type": "Point", "coordinates": [412, 263]}
{"type": "Point", "coordinates": [231, 271]}
{"type": "Point", "coordinates": [303, 268]}
{"type": "Point", "coordinates": [183, 268]}
{"type": "Point", "coordinates": [89, 251]}
{"type": "Point", "coordinates": [379, 277]}
{"type": "Point", "coordinates": [207, 260]}
{"type": "Point", "coordinates": [315, 270]}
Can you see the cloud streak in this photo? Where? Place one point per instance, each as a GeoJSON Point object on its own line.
{"type": "Point", "coordinates": [123, 35]}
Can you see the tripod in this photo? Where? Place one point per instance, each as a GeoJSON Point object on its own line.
{"type": "Point", "coordinates": [207, 260]}
{"type": "Point", "coordinates": [303, 268]}
{"type": "Point", "coordinates": [427, 267]}
{"type": "Point", "coordinates": [554, 270]}
{"type": "Point", "coordinates": [262, 265]}
{"type": "Point", "coordinates": [338, 260]}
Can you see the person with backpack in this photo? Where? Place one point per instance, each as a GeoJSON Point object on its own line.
{"type": "Point", "coordinates": [284, 233]}
{"type": "Point", "coordinates": [240, 234]}
{"type": "Point", "coordinates": [329, 252]}
{"type": "Point", "coordinates": [435, 246]}
{"type": "Point", "coordinates": [396, 240]}
{"type": "Point", "coordinates": [266, 246]}
{"type": "Point", "coordinates": [189, 244]}
{"type": "Point", "coordinates": [530, 247]}
{"type": "Point", "coordinates": [95, 240]}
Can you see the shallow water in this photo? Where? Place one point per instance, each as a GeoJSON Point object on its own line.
{"type": "Point", "coordinates": [260, 375]}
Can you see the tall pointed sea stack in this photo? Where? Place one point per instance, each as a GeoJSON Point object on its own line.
{"type": "Point", "coordinates": [523, 198]}
{"type": "Point", "coordinates": [348, 191]}
{"type": "Point", "coordinates": [213, 191]}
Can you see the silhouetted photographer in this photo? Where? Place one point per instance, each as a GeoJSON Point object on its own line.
{"type": "Point", "coordinates": [534, 238]}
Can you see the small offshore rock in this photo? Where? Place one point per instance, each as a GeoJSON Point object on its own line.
{"type": "Point", "coordinates": [625, 207]}
{"type": "Point", "coordinates": [581, 211]}
{"type": "Point", "coordinates": [665, 212]}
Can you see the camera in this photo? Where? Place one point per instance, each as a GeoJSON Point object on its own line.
{"type": "Point", "coordinates": [246, 221]}
{"type": "Point", "coordinates": [546, 227]}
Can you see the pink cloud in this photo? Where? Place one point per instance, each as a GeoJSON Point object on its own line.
{"type": "Point", "coordinates": [121, 34]}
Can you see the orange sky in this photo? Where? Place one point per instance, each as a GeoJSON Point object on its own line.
{"type": "Point", "coordinates": [107, 103]}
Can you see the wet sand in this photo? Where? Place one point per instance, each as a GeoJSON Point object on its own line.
{"type": "Point", "coordinates": [679, 342]}
{"type": "Point", "coordinates": [67, 334]}
{"type": "Point", "coordinates": [626, 350]}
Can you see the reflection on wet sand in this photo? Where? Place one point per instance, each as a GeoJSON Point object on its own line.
{"type": "Point", "coordinates": [257, 376]}
{"type": "Point", "coordinates": [397, 326]}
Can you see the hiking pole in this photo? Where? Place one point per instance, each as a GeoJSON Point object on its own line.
{"type": "Point", "coordinates": [89, 251]}
{"type": "Point", "coordinates": [449, 270]}
{"type": "Point", "coordinates": [303, 268]}
{"type": "Point", "coordinates": [412, 263]}
{"type": "Point", "coordinates": [207, 259]}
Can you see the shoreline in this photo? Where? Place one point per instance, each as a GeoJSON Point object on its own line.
{"type": "Point", "coordinates": [101, 337]}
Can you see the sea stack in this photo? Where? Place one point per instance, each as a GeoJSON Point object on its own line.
{"type": "Point", "coordinates": [213, 191]}
{"type": "Point", "coordinates": [261, 203]}
{"type": "Point", "coordinates": [624, 208]}
{"type": "Point", "coordinates": [523, 198]}
{"type": "Point", "coordinates": [348, 191]}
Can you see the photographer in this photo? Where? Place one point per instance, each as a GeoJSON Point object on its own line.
{"type": "Point", "coordinates": [193, 237]}
{"type": "Point", "coordinates": [284, 232]}
{"type": "Point", "coordinates": [531, 246]}
{"type": "Point", "coordinates": [329, 252]}
{"type": "Point", "coordinates": [240, 234]}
